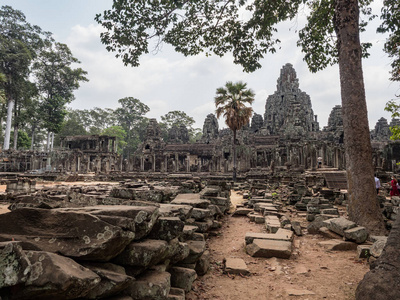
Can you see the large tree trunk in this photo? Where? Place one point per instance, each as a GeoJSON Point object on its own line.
{"type": "Point", "coordinates": [7, 135]}
{"type": "Point", "coordinates": [363, 207]}
{"type": "Point", "coordinates": [234, 155]}
{"type": "Point", "coordinates": [382, 282]}
{"type": "Point", "coordinates": [15, 137]}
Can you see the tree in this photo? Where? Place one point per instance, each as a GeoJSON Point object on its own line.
{"type": "Point", "coordinates": [19, 43]}
{"type": "Point", "coordinates": [130, 116]}
{"type": "Point", "coordinates": [119, 133]}
{"type": "Point", "coordinates": [56, 81]}
{"type": "Point", "coordinates": [177, 118]}
{"type": "Point", "coordinates": [331, 35]}
{"type": "Point", "coordinates": [231, 102]}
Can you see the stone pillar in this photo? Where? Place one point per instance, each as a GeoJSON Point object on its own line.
{"type": "Point", "coordinates": [154, 162]}
{"type": "Point", "coordinates": [78, 164]}
{"type": "Point", "coordinates": [165, 163]}
{"type": "Point", "coordinates": [142, 163]}
{"type": "Point", "coordinates": [188, 162]}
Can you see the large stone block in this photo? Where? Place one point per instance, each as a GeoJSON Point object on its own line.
{"type": "Point", "coordinates": [77, 235]}
{"type": "Point", "coordinates": [192, 200]}
{"type": "Point", "coordinates": [51, 277]}
{"type": "Point", "coordinates": [14, 265]}
{"type": "Point", "coordinates": [167, 228]}
{"type": "Point", "coordinates": [143, 253]}
{"type": "Point", "coordinates": [272, 224]}
{"type": "Point", "coordinates": [235, 266]}
{"type": "Point", "coordinates": [203, 263]}
{"type": "Point", "coordinates": [339, 225]}
{"type": "Point", "coordinates": [197, 249]}
{"type": "Point", "coordinates": [200, 214]}
{"type": "Point", "coordinates": [151, 285]}
{"type": "Point", "coordinates": [269, 248]}
{"type": "Point", "coordinates": [174, 210]}
{"type": "Point", "coordinates": [357, 234]}
{"type": "Point", "coordinates": [182, 278]}
{"type": "Point", "coordinates": [338, 245]}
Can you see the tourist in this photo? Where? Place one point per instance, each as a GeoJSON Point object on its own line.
{"type": "Point", "coordinates": [394, 191]}
{"type": "Point", "coordinates": [377, 184]}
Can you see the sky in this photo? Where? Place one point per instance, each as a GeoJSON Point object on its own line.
{"type": "Point", "coordinates": [167, 81]}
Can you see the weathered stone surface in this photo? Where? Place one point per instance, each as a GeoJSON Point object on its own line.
{"type": "Point", "coordinates": [297, 228]}
{"type": "Point", "coordinates": [338, 245]}
{"type": "Point", "coordinates": [180, 252]}
{"type": "Point", "coordinates": [235, 266]}
{"type": "Point", "coordinates": [174, 210]}
{"type": "Point", "coordinates": [377, 247]}
{"type": "Point", "coordinates": [199, 214]}
{"type": "Point", "coordinates": [167, 228]}
{"type": "Point", "coordinates": [251, 236]}
{"type": "Point", "coordinates": [203, 226]}
{"type": "Point", "coordinates": [73, 234]}
{"type": "Point", "coordinates": [182, 278]}
{"type": "Point", "coordinates": [314, 226]}
{"type": "Point", "coordinates": [325, 232]}
{"type": "Point", "coordinates": [339, 225]}
{"type": "Point", "coordinates": [241, 211]}
{"type": "Point", "coordinates": [14, 265]}
{"type": "Point", "coordinates": [143, 253]}
{"type": "Point", "coordinates": [151, 285]}
{"type": "Point", "coordinates": [52, 276]}
{"type": "Point", "coordinates": [203, 263]}
{"type": "Point", "coordinates": [188, 231]}
{"type": "Point", "coordinates": [330, 211]}
{"type": "Point", "coordinates": [192, 200]}
{"type": "Point", "coordinates": [197, 249]}
{"type": "Point", "coordinates": [269, 248]}
{"type": "Point", "coordinates": [176, 294]}
{"type": "Point", "coordinates": [272, 224]}
{"type": "Point", "coordinates": [144, 217]}
{"type": "Point", "coordinates": [357, 234]}
{"type": "Point", "coordinates": [113, 279]}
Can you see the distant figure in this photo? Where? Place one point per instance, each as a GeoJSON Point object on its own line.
{"type": "Point", "coordinates": [394, 191]}
{"type": "Point", "coordinates": [319, 159]}
{"type": "Point", "coordinates": [377, 184]}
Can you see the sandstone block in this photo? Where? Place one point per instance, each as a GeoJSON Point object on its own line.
{"type": "Point", "coordinates": [14, 264]}
{"type": "Point", "coordinates": [176, 294]}
{"type": "Point", "coordinates": [151, 285]}
{"type": "Point", "coordinates": [173, 210]}
{"type": "Point", "coordinates": [364, 251]}
{"type": "Point", "coordinates": [242, 211]}
{"type": "Point", "coordinates": [200, 214]}
{"type": "Point", "coordinates": [339, 225]}
{"type": "Point", "coordinates": [269, 248]}
{"type": "Point", "coordinates": [357, 234]}
{"type": "Point", "coordinates": [203, 263]}
{"type": "Point", "coordinates": [192, 200]}
{"type": "Point", "coordinates": [377, 247]}
{"type": "Point", "coordinates": [197, 249]}
{"type": "Point", "coordinates": [167, 228]}
{"type": "Point", "coordinates": [272, 224]}
{"type": "Point", "coordinates": [338, 245]}
{"type": "Point", "coordinates": [235, 266]}
{"type": "Point", "coordinates": [182, 278]}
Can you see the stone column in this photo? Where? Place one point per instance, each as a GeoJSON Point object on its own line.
{"type": "Point", "coordinates": [142, 163]}
{"type": "Point", "coordinates": [176, 162]}
{"type": "Point", "coordinates": [154, 162]}
{"type": "Point", "coordinates": [165, 163]}
{"type": "Point", "coordinates": [188, 162]}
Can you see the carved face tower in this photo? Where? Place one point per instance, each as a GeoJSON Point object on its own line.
{"type": "Point", "coordinates": [288, 111]}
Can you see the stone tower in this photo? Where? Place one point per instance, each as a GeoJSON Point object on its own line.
{"type": "Point", "coordinates": [288, 111]}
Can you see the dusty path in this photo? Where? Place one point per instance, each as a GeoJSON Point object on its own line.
{"type": "Point", "coordinates": [311, 272]}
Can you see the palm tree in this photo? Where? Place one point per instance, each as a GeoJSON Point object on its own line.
{"type": "Point", "coordinates": [230, 102]}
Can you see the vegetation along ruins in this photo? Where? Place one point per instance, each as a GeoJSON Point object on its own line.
{"type": "Point", "coordinates": [109, 203]}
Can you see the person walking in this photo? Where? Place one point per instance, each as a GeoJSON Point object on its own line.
{"type": "Point", "coordinates": [377, 184]}
{"type": "Point", "coordinates": [394, 191]}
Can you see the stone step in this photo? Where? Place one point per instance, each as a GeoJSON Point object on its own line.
{"type": "Point", "coordinates": [269, 248]}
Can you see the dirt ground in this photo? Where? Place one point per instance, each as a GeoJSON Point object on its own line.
{"type": "Point", "coordinates": [311, 273]}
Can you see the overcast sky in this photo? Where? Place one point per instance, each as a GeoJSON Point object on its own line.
{"type": "Point", "coordinates": [169, 81]}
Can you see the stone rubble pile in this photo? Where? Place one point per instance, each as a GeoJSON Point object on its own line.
{"type": "Point", "coordinates": [117, 252]}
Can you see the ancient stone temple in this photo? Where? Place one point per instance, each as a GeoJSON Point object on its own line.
{"type": "Point", "coordinates": [288, 111]}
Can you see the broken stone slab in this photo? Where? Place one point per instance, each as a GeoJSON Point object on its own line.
{"type": "Point", "coordinates": [203, 226]}
{"type": "Point", "coordinates": [272, 224]}
{"type": "Point", "coordinates": [200, 214]}
{"type": "Point", "coordinates": [215, 210]}
{"type": "Point", "coordinates": [330, 211]}
{"type": "Point", "coordinates": [151, 285]}
{"type": "Point", "coordinates": [284, 221]}
{"type": "Point", "coordinates": [143, 253]}
{"type": "Point", "coordinates": [179, 252]}
{"type": "Point", "coordinates": [166, 228]}
{"type": "Point", "coordinates": [182, 278]}
{"type": "Point", "coordinates": [197, 249]}
{"type": "Point", "coordinates": [51, 277]}
{"type": "Point", "coordinates": [235, 266]}
{"type": "Point", "coordinates": [364, 251]}
{"type": "Point", "coordinates": [14, 264]}
{"type": "Point", "coordinates": [192, 200]}
{"type": "Point", "coordinates": [73, 234]}
{"type": "Point", "coordinates": [357, 234]}
{"type": "Point", "coordinates": [339, 225]}
{"type": "Point", "coordinates": [269, 248]}
{"type": "Point", "coordinates": [188, 231]}
{"type": "Point", "coordinates": [242, 211]}
{"type": "Point", "coordinates": [113, 280]}
{"type": "Point", "coordinates": [203, 263]}
{"type": "Point", "coordinates": [251, 236]}
{"type": "Point", "coordinates": [174, 210]}
{"type": "Point", "coordinates": [377, 247]}
{"type": "Point", "coordinates": [297, 228]}
{"type": "Point", "coordinates": [144, 217]}
{"type": "Point", "coordinates": [338, 245]}
{"type": "Point", "coordinates": [222, 202]}
{"type": "Point", "coordinates": [314, 226]}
